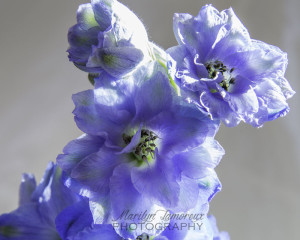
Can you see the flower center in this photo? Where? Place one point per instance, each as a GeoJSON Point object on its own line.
{"type": "Point", "coordinates": [8, 231]}
{"type": "Point", "coordinates": [216, 67]}
{"type": "Point", "coordinates": [145, 149]}
{"type": "Point", "coordinates": [144, 236]}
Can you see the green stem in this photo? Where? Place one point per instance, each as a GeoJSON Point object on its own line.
{"type": "Point", "coordinates": [161, 56]}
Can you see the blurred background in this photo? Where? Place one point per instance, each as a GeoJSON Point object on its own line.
{"type": "Point", "coordinates": [261, 188]}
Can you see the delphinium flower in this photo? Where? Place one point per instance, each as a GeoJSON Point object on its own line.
{"type": "Point", "coordinates": [108, 38]}
{"type": "Point", "coordinates": [176, 230]}
{"type": "Point", "coordinates": [226, 73]}
{"type": "Point", "coordinates": [75, 221]}
{"type": "Point", "coordinates": [50, 211]}
{"type": "Point", "coordinates": [143, 147]}
{"type": "Point", "coordinates": [39, 206]}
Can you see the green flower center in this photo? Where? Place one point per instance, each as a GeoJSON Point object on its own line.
{"type": "Point", "coordinates": [8, 231]}
{"type": "Point", "coordinates": [109, 59]}
{"type": "Point", "coordinates": [144, 236]}
{"type": "Point", "coordinates": [145, 150]}
{"type": "Point", "coordinates": [216, 67]}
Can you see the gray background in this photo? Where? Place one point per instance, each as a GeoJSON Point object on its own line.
{"type": "Point", "coordinates": [261, 188]}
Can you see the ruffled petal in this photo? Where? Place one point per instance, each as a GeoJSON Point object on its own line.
{"type": "Point", "coordinates": [219, 109]}
{"type": "Point", "coordinates": [197, 162]}
{"type": "Point", "coordinates": [189, 30]}
{"type": "Point", "coordinates": [209, 186]}
{"type": "Point", "coordinates": [272, 103]}
{"type": "Point", "coordinates": [285, 87]}
{"type": "Point", "coordinates": [275, 60]}
{"type": "Point", "coordinates": [218, 43]}
{"type": "Point", "coordinates": [232, 36]}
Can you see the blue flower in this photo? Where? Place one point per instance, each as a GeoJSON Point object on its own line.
{"type": "Point", "coordinates": [50, 211]}
{"type": "Point", "coordinates": [109, 38]}
{"type": "Point", "coordinates": [200, 227]}
{"type": "Point", "coordinates": [143, 147]}
{"type": "Point", "coordinates": [76, 223]}
{"type": "Point", "coordinates": [221, 70]}
{"type": "Point", "coordinates": [39, 206]}
{"type": "Point", "coordinates": [204, 229]}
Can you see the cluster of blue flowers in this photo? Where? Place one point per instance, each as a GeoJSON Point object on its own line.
{"type": "Point", "coordinates": [144, 167]}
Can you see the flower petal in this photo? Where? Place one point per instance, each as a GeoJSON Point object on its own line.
{"type": "Point", "coordinates": [122, 189]}
{"type": "Point", "coordinates": [244, 104]}
{"type": "Point", "coordinates": [27, 187]}
{"type": "Point", "coordinates": [187, 129]}
{"type": "Point", "coordinates": [151, 103]}
{"type": "Point", "coordinates": [196, 163]}
{"type": "Point", "coordinates": [77, 150]}
{"type": "Point", "coordinates": [117, 61]}
{"type": "Point", "coordinates": [94, 171]}
{"type": "Point", "coordinates": [219, 109]}
{"type": "Point", "coordinates": [188, 195]}
{"type": "Point", "coordinates": [126, 200]}
{"type": "Point", "coordinates": [81, 41]}
{"type": "Point", "coordinates": [103, 12]}
{"type": "Point", "coordinates": [209, 186]}
{"type": "Point", "coordinates": [103, 231]}
{"type": "Point", "coordinates": [52, 195]}
{"type": "Point", "coordinates": [74, 219]}
{"type": "Point", "coordinates": [133, 143]}
{"type": "Point", "coordinates": [26, 223]}
{"type": "Point", "coordinates": [85, 16]}
{"type": "Point", "coordinates": [101, 110]}
{"type": "Point", "coordinates": [166, 192]}
{"type": "Point", "coordinates": [239, 65]}
{"type": "Point", "coordinates": [232, 36]}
